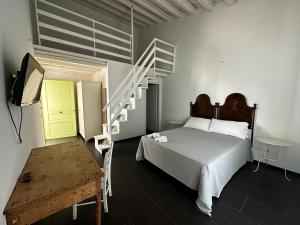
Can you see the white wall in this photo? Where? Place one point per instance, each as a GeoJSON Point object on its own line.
{"type": "Point", "coordinates": [15, 41]}
{"type": "Point", "coordinates": [136, 124]}
{"type": "Point", "coordinates": [252, 47]}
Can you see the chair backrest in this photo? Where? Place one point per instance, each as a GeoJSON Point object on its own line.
{"type": "Point", "coordinates": [107, 163]}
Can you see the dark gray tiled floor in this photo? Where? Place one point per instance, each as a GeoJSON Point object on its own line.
{"type": "Point", "coordinates": [143, 194]}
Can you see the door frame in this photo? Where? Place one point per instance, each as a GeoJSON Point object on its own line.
{"type": "Point", "coordinates": [158, 81]}
{"type": "Point", "coordinates": [74, 111]}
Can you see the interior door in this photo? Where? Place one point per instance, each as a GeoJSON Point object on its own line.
{"type": "Point", "coordinates": [152, 107]}
{"type": "Point", "coordinates": [58, 109]}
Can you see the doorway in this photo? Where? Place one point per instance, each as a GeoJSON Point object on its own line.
{"type": "Point", "coordinates": [61, 104]}
{"type": "Point", "coordinates": [152, 108]}
{"type": "Point", "coordinates": [58, 105]}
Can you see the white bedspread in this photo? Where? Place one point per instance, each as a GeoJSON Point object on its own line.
{"type": "Point", "coordinates": [201, 160]}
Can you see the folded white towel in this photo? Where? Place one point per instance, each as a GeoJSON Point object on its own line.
{"type": "Point", "coordinates": [154, 135]}
{"type": "Point", "coordinates": [161, 139]}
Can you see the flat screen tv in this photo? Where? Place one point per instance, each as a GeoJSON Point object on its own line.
{"type": "Point", "coordinates": [27, 84]}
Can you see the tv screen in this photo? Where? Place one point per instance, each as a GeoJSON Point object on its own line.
{"type": "Point", "coordinates": [27, 85]}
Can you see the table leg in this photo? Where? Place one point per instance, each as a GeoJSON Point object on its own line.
{"type": "Point", "coordinates": [258, 165]}
{"type": "Point", "coordinates": [262, 158]}
{"type": "Point", "coordinates": [286, 177]}
{"type": "Point", "coordinates": [283, 165]}
{"type": "Point", "coordinates": [98, 204]}
{"type": "Point", "coordinates": [75, 212]}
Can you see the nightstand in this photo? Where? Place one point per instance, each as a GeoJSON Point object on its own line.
{"type": "Point", "coordinates": [270, 142]}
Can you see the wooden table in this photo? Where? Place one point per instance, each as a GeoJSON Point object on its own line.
{"type": "Point", "coordinates": [62, 175]}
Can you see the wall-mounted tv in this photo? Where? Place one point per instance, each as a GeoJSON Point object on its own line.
{"type": "Point", "coordinates": [26, 89]}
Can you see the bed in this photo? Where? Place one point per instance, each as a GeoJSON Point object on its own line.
{"type": "Point", "coordinates": [203, 161]}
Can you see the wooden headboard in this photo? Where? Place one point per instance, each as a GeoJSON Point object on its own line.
{"type": "Point", "coordinates": [235, 108]}
{"type": "Point", "coordinates": [202, 107]}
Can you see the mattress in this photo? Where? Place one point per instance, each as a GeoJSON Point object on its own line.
{"type": "Point", "coordinates": [203, 161]}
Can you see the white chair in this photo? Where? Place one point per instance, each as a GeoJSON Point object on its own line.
{"type": "Point", "coordinates": [105, 183]}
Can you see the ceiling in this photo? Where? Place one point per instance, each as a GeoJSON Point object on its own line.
{"type": "Point", "coordinates": [69, 69]}
{"type": "Point", "coordinates": [147, 12]}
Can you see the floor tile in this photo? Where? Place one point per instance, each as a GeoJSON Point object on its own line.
{"type": "Point", "coordinates": [156, 188]}
{"type": "Point", "coordinates": [122, 182]}
{"type": "Point", "coordinates": [233, 198]}
{"type": "Point", "coordinates": [270, 198]}
{"type": "Point", "coordinates": [272, 179]}
{"type": "Point", "coordinates": [223, 214]}
{"type": "Point", "coordinates": [280, 219]}
{"type": "Point", "coordinates": [294, 210]}
{"type": "Point", "coordinates": [291, 190]}
{"type": "Point", "coordinates": [116, 215]}
{"type": "Point", "coordinates": [240, 185]}
{"type": "Point", "coordinates": [182, 211]}
{"type": "Point", "coordinates": [143, 211]}
{"type": "Point", "coordinates": [246, 173]}
{"type": "Point", "coordinates": [258, 211]}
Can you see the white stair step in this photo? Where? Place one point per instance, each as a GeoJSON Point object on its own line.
{"type": "Point", "coordinates": [130, 105]}
{"type": "Point", "coordinates": [161, 74]}
{"type": "Point", "coordinates": [144, 83]}
{"type": "Point", "coordinates": [102, 141]}
{"type": "Point", "coordinates": [115, 129]}
{"type": "Point", "coordinates": [138, 92]}
{"type": "Point", "coordinates": [119, 117]}
{"type": "Point", "coordinates": [104, 146]}
{"type": "Point", "coordinates": [104, 129]}
{"type": "Point", "coordinates": [122, 117]}
{"type": "Point", "coordinates": [163, 71]}
{"type": "Point", "coordinates": [151, 74]}
{"type": "Point", "coordinates": [101, 137]}
{"type": "Point", "coordinates": [126, 106]}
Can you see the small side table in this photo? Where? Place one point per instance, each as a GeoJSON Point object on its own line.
{"type": "Point", "coordinates": [176, 123]}
{"type": "Point", "coordinates": [268, 143]}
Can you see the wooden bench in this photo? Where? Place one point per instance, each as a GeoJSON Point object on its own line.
{"type": "Point", "coordinates": [62, 175]}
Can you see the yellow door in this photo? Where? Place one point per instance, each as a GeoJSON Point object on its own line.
{"type": "Point", "coordinates": [58, 109]}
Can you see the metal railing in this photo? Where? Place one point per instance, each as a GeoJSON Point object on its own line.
{"type": "Point", "coordinates": [147, 60]}
{"type": "Point", "coordinates": [77, 33]}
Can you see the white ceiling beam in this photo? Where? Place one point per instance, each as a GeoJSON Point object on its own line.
{"type": "Point", "coordinates": [123, 9]}
{"type": "Point", "coordinates": [152, 8]}
{"type": "Point", "coordinates": [96, 6]}
{"type": "Point", "coordinates": [168, 7]}
{"type": "Point", "coordinates": [230, 2]}
{"type": "Point", "coordinates": [140, 10]}
{"type": "Point", "coordinates": [185, 5]}
{"type": "Point", "coordinates": [206, 4]}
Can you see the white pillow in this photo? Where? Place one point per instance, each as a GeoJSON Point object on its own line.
{"type": "Point", "coordinates": [232, 128]}
{"type": "Point", "coordinates": [198, 123]}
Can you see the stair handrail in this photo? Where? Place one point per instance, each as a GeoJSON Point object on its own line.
{"type": "Point", "coordinates": [134, 78]}
{"type": "Point", "coordinates": [129, 74]}
{"type": "Point", "coordinates": [139, 78]}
